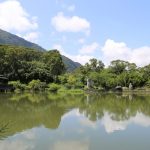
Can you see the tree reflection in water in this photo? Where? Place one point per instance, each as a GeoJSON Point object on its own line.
{"type": "Point", "coordinates": [30, 110]}
{"type": "Point", "coordinates": [4, 128]}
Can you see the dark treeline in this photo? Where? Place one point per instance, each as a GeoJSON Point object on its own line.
{"type": "Point", "coordinates": [118, 73]}
{"type": "Point", "coordinates": [24, 64]}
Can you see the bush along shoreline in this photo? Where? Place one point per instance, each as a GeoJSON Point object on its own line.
{"type": "Point", "coordinates": [37, 85]}
{"type": "Point", "coordinates": [31, 70]}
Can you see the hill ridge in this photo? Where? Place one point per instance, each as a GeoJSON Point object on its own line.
{"type": "Point", "coordinates": [7, 38]}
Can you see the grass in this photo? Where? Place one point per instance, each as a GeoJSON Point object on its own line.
{"type": "Point", "coordinates": [71, 91]}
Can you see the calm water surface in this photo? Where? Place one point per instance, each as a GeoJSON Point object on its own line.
{"type": "Point", "coordinates": [74, 122]}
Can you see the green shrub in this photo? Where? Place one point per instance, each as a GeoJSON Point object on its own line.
{"type": "Point", "coordinates": [62, 79]}
{"type": "Point", "coordinates": [148, 83]}
{"type": "Point", "coordinates": [53, 87]}
{"type": "Point", "coordinates": [79, 85]}
{"type": "Point", "coordinates": [68, 86]}
{"type": "Point", "coordinates": [86, 88]}
{"type": "Point", "coordinates": [18, 85]}
{"type": "Point", "coordinates": [37, 85]}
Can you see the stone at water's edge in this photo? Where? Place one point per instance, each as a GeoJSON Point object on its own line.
{"type": "Point", "coordinates": [118, 88]}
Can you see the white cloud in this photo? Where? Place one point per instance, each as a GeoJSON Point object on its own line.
{"type": "Point", "coordinates": [73, 113]}
{"type": "Point", "coordinates": [77, 58]}
{"type": "Point", "coordinates": [70, 24]}
{"type": "Point", "coordinates": [87, 123]}
{"type": "Point", "coordinates": [16, 144]}
{"type": "Point", "coordinates": [71, 8]}
{"type": "Point", "coordinates": [89, 49]}
{"type": "Point", "coordinates": [29, 134]}
{"type": "Point", "coordinates": [81, 40]}
{"type": "Point", "coordinates": [113, 50]}
{"type": "Point", "coordinates": [113, 125]}
{"type": "Point", "coordinates": [68, 145]}
{"type": "Point", "coordinates": [32, 36]}
{"type": "Point", "coordinates": [14, 17]}
{"type": "Point", "coordinates": [59, 47]}
{"type": "Point", "coordinates": [81, 58]}
{"type": "Point", "coordinates": [118, 50]}
{"type": "Point", "coordinates": [141, 56]}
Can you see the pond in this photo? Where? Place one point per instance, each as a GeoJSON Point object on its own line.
{"type": "Point", "coordinates": [44, 121]}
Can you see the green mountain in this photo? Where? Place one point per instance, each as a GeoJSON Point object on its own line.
{"type": "Point", "coordinates": [7, 38]}
{"type": "Point", "coordinates": [70, 65]}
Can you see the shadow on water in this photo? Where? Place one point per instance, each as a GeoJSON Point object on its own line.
{"type": "Point", "coordinates": [29, 110]}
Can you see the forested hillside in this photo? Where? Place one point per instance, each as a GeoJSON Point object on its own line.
{"type": "Point", "coordinates": [70, 65]}
{"type": "Point", "coordinates": [7, 38]}
{"type": "Point", "coordinates": [24, 64]}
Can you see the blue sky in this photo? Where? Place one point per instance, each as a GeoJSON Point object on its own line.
{"type": "Point", "coordinates": [81, 29]}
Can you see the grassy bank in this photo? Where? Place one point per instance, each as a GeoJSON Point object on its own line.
{"type": "Point", "coordinates": [37, 86]}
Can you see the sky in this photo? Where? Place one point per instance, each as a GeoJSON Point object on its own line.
{"type": "Point", "coordinates": [83, 29]}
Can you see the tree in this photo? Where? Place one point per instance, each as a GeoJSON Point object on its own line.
{"type": "Point", "coordinates": [54, 62]}
{"type": "Point", "coordinates": [95, 65]}
{"type": "Point", "coordinates": [24, 64]}
{"type": "Point", "coordinates": [119, 66]}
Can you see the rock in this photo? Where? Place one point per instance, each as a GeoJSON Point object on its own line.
{"type": "Point", "coordinates": [118, 88]}
{"type": "Point", "coordinates": [125, 88]}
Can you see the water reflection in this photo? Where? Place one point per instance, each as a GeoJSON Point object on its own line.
{"type": "Point", "coordinates": [4, 129]}
{"type": "Point", "coordinates": [66, 121]}
{"type": "Point", "coordinates": [114, 125]}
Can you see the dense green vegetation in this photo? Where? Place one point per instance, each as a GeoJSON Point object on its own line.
{"type": "Point", "coordinates": [7, 38]}
{"type": "Point", "coordinates": [118, 73]}
{"type": "Point", "coordinates": [25, 65]}
{"type": "Point", "coordinates": [70, 65]}
{"type": "Point", "coordinates": [29, 69]}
